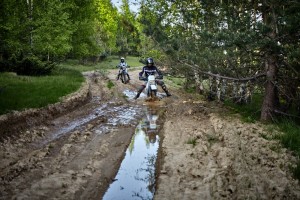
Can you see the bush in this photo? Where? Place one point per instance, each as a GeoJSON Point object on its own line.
{"type": "Point", "coordinates": [5, 66]}
{"type": "Point", "coordinates": [33, 66]}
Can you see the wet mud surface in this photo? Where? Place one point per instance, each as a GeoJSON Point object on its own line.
{"type": "Point", "coordinates": [204, 153]}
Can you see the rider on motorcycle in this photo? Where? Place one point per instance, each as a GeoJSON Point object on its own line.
{"type": "Point", "coordinates": [120, 66]}
{"type": "Point", "coordinates": [149, 69]}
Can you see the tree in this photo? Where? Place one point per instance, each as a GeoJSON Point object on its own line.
{"type": "Point", "coordinates": [128, 37]}
{"type": "Point", "coordinates": [52, 30]}
{"type": "Point", "coordinates": [237, 39]}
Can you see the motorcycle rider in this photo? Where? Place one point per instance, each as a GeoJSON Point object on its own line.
{"type": "Point", "coordinates": [120, 66]}
{"type": "Point", "coordinates": [149, 69]}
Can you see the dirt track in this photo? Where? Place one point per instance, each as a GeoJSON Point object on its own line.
{"type": "Point", "coordinates": [205, 154]}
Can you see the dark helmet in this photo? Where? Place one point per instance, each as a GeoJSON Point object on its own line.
{"type": "Point", "coordinates": [150, 61]}
{"type": "Point", "coordinates": [122, 59]}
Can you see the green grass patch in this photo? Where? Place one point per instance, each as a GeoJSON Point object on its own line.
{"type": "Point", "coordinates": [109, 63]}
{"type": "Point", "coordinates": [175, 81]}
{"type": "Point", "coordinates": [291, 140]}
{"type": "Point", "coordinates": [249, 112]}
{"type": "Point", "coordinates": [21, 92]}
{"type": "Point", "coordinates": [110, 84]}
{"type": "Point", "coordinates": [291, 137]}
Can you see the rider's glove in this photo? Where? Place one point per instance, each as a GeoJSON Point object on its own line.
{"type": "Point", "coordinates": [159, 77]}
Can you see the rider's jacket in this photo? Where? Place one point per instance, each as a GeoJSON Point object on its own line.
{"type": "Point", "coordinates": [122, 64]}
{"type": "Point", "coordinates": [149, 70]}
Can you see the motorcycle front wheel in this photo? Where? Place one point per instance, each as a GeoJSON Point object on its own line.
{"type": "Point", "coordinates": [153, 93]}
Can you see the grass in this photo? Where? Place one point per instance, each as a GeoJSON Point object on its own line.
{"type": "Point", "coordinates": [174, 81]}
{"type": "Point", "coordinates": [22, 92]}
{"type": "Point", "coordinates": [249, 112]}
{"type": "Point", "coordinates": [110, 84]}
{"type": "Point", "coordinates": [109, 63]}
{"type": "Point", "coordinates": [290, 139]}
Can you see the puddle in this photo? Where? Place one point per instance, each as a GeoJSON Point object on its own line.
{"type": "Point", "coordinates": [131, 94]}
{"type": "Point", "coordinates": [119, 115]}
{"type": "Point", "coordinates": [136, 176]}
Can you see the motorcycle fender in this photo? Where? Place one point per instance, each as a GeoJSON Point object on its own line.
{"type": "Point", "coordinates": [153, 87]}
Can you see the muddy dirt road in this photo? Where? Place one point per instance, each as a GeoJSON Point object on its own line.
{"type": "Point", "coordinates": [204, 154]}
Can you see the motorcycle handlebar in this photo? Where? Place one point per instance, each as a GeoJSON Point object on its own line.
{"type": "Point", "coordinates": [142, 78]}
{"type": "Point", "coordinates": [146, 79]}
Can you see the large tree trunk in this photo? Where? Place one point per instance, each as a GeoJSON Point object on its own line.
{"type": "Point", "coordinates": [267, 110]}
{"type": "Point", "coordinates": [270, 94]}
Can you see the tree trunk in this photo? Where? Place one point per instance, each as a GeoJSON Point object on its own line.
{"type": "Point", "coordinates": [270, 94]}
{"type": "Point", "coordinates": [30, 10]}
{"type": "Point", "coordinates": [268, 106]}
{"type": "Point", "coordinates": [198, 82]}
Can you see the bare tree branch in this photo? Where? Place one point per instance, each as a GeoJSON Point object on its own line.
{"type": "Point", "coordinates": [196, 67]}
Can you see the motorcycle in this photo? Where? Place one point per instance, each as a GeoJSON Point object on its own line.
{"type": "Point", "coordinates": [124, 74]}
{"type": "Point", "coordinates": [151, 86]}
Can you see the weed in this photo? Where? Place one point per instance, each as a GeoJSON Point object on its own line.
{"type": "Point", "coordinates": [110, 84]}
{"type": "Point", "coordinates": [192, 141]}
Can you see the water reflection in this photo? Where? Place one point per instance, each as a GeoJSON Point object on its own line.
{"type": "Point", "coordinates": [136, 176]}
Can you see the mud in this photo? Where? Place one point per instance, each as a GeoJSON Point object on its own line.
{"type": "Point", "coordinates": [206, 153]}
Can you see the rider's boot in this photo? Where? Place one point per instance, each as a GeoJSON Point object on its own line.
{"type": "Point", "coordinates": [164, 87]}
{"type": "Point", "coordinates": [128, 76]}
{"type": "Point", "coordinates": [118, 77]}
{"type": "Point", "coordinates": [139, 92]}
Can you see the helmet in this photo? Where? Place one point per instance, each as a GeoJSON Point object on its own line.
{"type": "Point", "coordinates": [149, 61]}
{"type": "Point", "coordinates": [122, 59]}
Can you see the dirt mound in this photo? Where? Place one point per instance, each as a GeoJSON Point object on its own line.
{"type": "Point", "coordinates": [213, 156]}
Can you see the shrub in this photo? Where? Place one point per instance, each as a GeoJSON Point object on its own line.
{"type": "Point", "coordinates": [33, 66]}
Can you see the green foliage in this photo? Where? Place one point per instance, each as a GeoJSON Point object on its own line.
{"type": "Point", "coordinates": [227, 38]}
{"type": "Point", "coordinates": [32, 66]}
{"type": "Point", "coordinates": [52, 30]}
{"type": "Point", "coordinates": [127, 36]}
